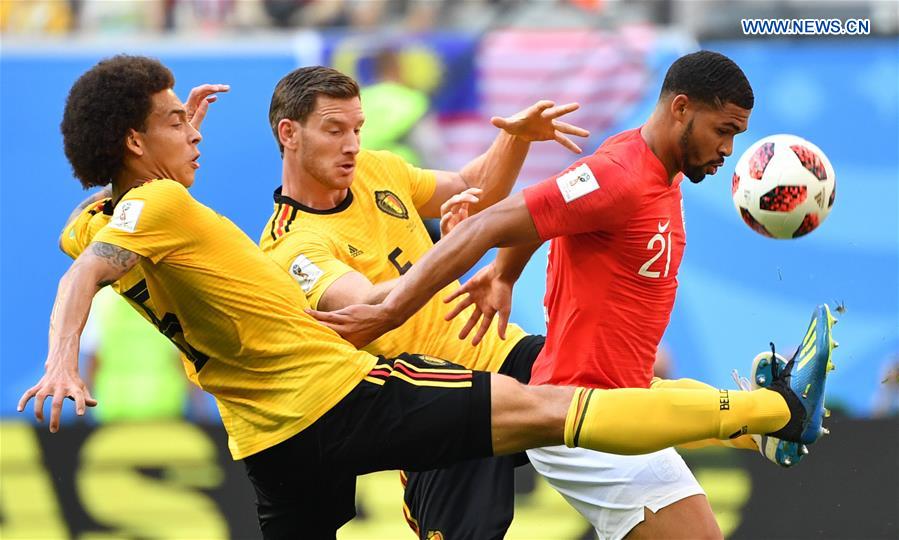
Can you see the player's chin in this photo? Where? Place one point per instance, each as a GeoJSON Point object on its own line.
{"type": "Point", "coordinates": [186, 178]}
{"type": "Point", "coordinates": [343, 180]}
{"type": "Point", "coordinates": [695, 174]}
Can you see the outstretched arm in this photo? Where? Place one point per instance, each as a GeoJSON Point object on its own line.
{"type": "Point", "coordinates": [490, 290]}
{"type": "Point", "coordinates": [508, 223]}
{"type": "Point", "coordinates": [99, 265]}
{"type": "Point", "coordinates": [496, 170]}
{"type": "Point", "coordinates": [354, 288]}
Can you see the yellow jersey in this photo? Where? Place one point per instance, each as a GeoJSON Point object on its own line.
{"type": "Point", "coordinates": [237, 318]}
{"type": "Point", "coordinates": [377, 232]}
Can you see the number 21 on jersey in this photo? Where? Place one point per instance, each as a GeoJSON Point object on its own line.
{"type": "Point", "coordinates": [658, 245]}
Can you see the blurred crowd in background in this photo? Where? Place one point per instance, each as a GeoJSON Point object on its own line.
{"type": "Point", "coordinates": [433, 71]}
{"type": "Point", "coordinates": [703, 18]}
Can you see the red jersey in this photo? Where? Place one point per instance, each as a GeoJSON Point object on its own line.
{"type": "Point", "coordinates": [617, 233]}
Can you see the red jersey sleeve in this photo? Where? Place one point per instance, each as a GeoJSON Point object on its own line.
{"type": "Point", "coordinates": [592, 195]}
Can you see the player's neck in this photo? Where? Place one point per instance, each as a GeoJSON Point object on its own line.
{"type": "Point", "coordinates": [306, 190]}
{"type": "Point", "coordinates": [655, 134]}
{"type": "Point", "coordinates": [124, 183]}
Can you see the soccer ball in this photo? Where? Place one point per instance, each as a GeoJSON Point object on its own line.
{"type": "Point", "coordinates": [783, 186]}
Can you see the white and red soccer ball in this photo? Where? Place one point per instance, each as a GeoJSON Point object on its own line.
{"type": "Point", "coordinates": [783, 186]}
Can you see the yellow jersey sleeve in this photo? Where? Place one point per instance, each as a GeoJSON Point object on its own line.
{"type": "Point", "coordinates": [314, 265]}
{"type": "Point", "coordinates": [80, 232]}
{"type": "Point", "coordinates": [149, 220]}
{"type": "Point", "coordinates": [421, 183]}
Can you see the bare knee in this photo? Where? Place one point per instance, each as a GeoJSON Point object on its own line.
{"type": "Point", "coordinates": [691, 518]}
{"type": "Point", "coordinates": [526, 416]}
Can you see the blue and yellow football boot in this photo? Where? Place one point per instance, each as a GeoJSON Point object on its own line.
{"type": "Point", "coordinates": [801, 382]}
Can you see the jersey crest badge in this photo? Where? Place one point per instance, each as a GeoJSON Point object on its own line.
{"type": "Point", "coordinates": [126, 215]}
{"type": "Point", "coordinates": [577, 182]}
{"type": "Point", "coordinates": [305, 272]}
{"type": "Point", "coordinates": [390, 204]}
{"type": "Point", "coordinates": [432, 360]}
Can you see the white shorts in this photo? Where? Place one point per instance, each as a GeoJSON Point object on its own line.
{"type": "Point", "coordinates": [609, 490]}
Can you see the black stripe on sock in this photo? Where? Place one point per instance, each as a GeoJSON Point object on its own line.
{"type": "Point", "coordinates": [580, 423]}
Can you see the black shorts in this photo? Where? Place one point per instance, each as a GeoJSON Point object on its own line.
{"type": "Point", "coordinates": [411, 412]}
{"type": "Point", "coordinates": [474, 499]}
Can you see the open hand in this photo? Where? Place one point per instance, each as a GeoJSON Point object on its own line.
{"type": "Point", "coordinates": [539, 123]}
{"type": "Point", "coordinates": [59, 384]}
{"type": "Point", "coordinates": [490, 295]}
{"type": "Point", "coordinates": [198, 101]}
{"type": "Point", "coordinates": [455, 209]}
{"type": "Point", "coordinates": [359, 324]}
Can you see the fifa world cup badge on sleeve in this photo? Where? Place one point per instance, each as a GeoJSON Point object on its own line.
{"type": "Point", "coordinates": [305, 272]}
{"type": "Point", "coordinates": [577, 182]}
{"type": "Point", "coordinates": [126, 215]}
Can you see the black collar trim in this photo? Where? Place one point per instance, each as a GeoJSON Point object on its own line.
{"type": "Point", "coordinates": [283, 199]}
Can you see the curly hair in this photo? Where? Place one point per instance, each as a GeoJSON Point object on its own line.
{"type": "Point", "coordinates": [709, 77]}
{"type": "Point", "coordinates": [106, 102]}
{"type": "Point", "coordinates": [295, 94]}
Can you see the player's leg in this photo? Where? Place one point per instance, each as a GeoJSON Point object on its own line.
{"type": "Point", "coordinates": [295, 495]}
{"type": "Point", "coordinates": [745, 442]}
{"type": "Point", "coordinates": [623, 421]}
{"type": "Point", "coordinates": [475, 498]}
{"type": "Point", "coordinates": [617, 493]}
{"type": "Point", "coordinates": [626, 421]}
{"type": "Point", "coordinates": [612, 492]}
{"type": "Point", "coordinates": [471, 499]}
{"type": "Point", "coordinates": [410, 412]}
{"type": "Point", "coordinates": [691, 518]}
{"type": "Point", "coordinates": [639, 421]}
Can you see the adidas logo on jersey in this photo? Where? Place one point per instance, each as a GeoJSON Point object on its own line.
{"type": "Point", "coordinates": [354, 252]}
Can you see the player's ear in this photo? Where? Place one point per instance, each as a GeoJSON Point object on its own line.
{"type": "Point", "coordinates": [288, 133]}
{"type": "Point", "coordinates": [134, 142]}
{"type": "Point", "coordinates": [679, 107]}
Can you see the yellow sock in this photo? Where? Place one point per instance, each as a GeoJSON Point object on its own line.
{"type": "Point", "coordinates": [679, 384]}
{"type": "Point", "coordinates": [745, 442]}
{"type": "Point", "coordinates": [638, 421]}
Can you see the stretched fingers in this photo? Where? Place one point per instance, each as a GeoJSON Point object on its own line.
{"type": "Point", "coordinates": [199, 114]}
{"type": "Point", "coordinates": [460, 306]}
{"type": "Point", "coordinates": [570, 129]}
{"type": "Point", "coordinates": [503, 323]}
{"type": "Point", "coordinates": [462, 289]}
{"type": "Point", "coordinates": [39, 404]}
{"type": "Point", "coordinates": [540, 108]}
{"type": "Point", "coordinates": [59, 395]}
{"type": "Point", "coordinates": [200, 93]}
{"type": "Point", "coordinates": [26, 397]}
{"type": "Point", "coordinates": [561, 110]}
{"type": "Point", "coordinates": [485, 326]}
{"type": "Point", "coordinates": [567, 143]}
{"type": "Point", "coordinates": [331, 317]}
{"type": "Point", "coordinates": [469, 324]}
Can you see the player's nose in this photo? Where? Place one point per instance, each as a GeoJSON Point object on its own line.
{"type": "Point", "coordinates": [726, 149]}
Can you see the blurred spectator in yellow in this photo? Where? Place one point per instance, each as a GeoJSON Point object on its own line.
{"type": "Point", "coordinates": [121, 17]}
{"type": "Point", "coordinates": [36, 16]}
{"type": "Point", "coordinates": [135, 371]}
